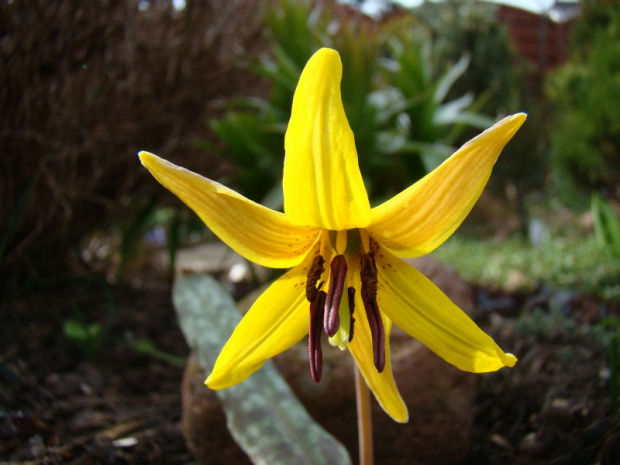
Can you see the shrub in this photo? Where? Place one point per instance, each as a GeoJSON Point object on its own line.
{"type": "Point", "coordinates": [586, 139]}
{"type": "Point", "coordinates": [85, 86]}
{"type": "Point", "coordinates": [394, 97]}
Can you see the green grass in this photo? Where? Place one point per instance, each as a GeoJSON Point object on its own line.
{"type": "Point", "coordinates": [569, 263]}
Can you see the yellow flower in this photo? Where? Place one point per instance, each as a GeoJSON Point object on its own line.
{"type": "Point", "coordinates": [346, 278]}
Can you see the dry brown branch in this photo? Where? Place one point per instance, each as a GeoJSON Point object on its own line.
{"type": "Point", "coordinates": [85, 86]}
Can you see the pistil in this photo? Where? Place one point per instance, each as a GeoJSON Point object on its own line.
{"type": "Point", "coordinates": [351, 295]}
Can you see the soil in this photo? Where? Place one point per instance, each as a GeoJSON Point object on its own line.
{"type": "Point", "coordinates": [66, 402]}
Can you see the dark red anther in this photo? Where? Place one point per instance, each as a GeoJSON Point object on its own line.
{"type": "Point", "coordinates": [368, 276]}
{"type": "Point", "coordinates": [314, 274]}
{"type": "Point", "coordinates": [369, 297]}
{"type": "Point", "coordinates": [337, 279]}
{"type": "Point", "coordinates": [315, 353]}
{"type": "Point", "coordinates": [351, 294]}
{"type": "Point", "coordinates": [378, 334]}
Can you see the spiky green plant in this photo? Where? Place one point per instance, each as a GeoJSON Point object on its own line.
{"type": "Point", "coordinates": [396, 102]}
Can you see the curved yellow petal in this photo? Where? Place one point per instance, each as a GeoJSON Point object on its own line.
{"type": "Point", "coordinates": [422, 217]}
{"type": "Point", "coordinates": [322, 182]}
{"type": "Point", "coordinates": [277, 320]}
{"type": "Point", "coordinates": [259, 234]}
{"type": "Point", "coordinates": [382, 384]}
{"type": "Point", "coordinates": [420, 309]}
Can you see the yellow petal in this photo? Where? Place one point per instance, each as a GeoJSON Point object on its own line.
{"type": "Point", "coordinates": [277, 320]}
{"type": "Point", "coordinates": [422, 217]}
{"type": "Point", "coordinates": [259, 234]}
{"type": "Point", "coordinates": [322, 182]}
{"type": "Point", "coordinates": [381, 384]}
{"type": "Point", "coordinates": [420, 309]}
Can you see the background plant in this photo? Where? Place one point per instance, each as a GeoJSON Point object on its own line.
{"type": "Point", "coordinates": [573, 263]}
{"type": "Point", "coordinates": [504, 83]}
{"type": "Point", "coordinates": [606, 225]}
{"type": "Point", "coordinates": [586, 139]}
{"type": "Point", "coordinates": [471, 27]}
{"type": "Point", "coordinates": [395, 99]}
{"type": "Point", "coordinates": [85, 86]}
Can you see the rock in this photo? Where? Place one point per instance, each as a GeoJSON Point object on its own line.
{"type": "Point", "coordinates": [217, 259]}
{"type": "Point", "coordinates": [439, 397]}
{"type": "Point", "coordinates": [203, 421]}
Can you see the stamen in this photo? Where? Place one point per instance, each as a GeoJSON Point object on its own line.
{"type": "Point", "coordinates": [369, 297]}
{"type": "Point", "coordinates": [315, 352]}
{"type": "Point", "coordinates": [334, 294]}
{"type": "Point", "coordinates": [369, 277]}
{"type": "Point", "coordinates": [378, 334]}
{"type": "Point", "coordinates": [351, 293]}
{"type": "Point", "coordinates": [314, 274]}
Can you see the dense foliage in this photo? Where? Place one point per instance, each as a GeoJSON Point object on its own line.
{"type": "Point", "coordinates": [586, 138]}
{"type": "Point", "coordinates": [398, 101]}
{"type": "Point", "coordinates": [85, 85]}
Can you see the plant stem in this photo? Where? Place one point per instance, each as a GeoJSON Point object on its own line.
{"type": "Point", "coordinates": [364, 419]}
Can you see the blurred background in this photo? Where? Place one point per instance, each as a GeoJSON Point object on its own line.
{"type": "Point", "coordinates": [208, 85]}
{"type": "Point", "coordinates": [85, 231]}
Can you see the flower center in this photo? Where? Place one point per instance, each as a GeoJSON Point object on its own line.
{"type": "Point", "coordinates": [332, 310]}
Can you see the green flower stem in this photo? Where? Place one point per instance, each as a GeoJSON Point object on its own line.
{"type": "Point", "coordinates": [364, 419]}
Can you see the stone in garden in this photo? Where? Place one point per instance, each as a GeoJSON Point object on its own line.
{"type": "Point", "coordinates": [204, 421]}
{"type": "Point", "coordinates": [221, 262]}
{"type": "Point", "coordinates": [439, 397]}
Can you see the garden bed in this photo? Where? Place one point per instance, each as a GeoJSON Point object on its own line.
{"type": "Point", "coordinates": [62, 402]}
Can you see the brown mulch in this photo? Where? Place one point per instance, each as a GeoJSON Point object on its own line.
{"type": "Point", "coordinates": [61, 403]}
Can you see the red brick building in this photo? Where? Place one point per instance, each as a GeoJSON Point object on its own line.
{"type": "Point", "coordinates": [541, 39]}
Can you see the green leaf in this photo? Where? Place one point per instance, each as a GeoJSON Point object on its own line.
{"type": "Point", "coordinates": [147, 347]}
{"type": "Point", "coordinates": [264, 416]}
{"type": "Point", "coordinates": [80, 332]}
{"type": "Point", "coordinates": [448, 112]}
{"type": "Point", "coordinates": [448, 79]}
{"type": "Point", "coordinates": [274, 198]}
{"type": "Point", "coordinates": [606, 226]}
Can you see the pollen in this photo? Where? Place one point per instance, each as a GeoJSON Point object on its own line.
{"type": "Point", "coordinates": [314, 274]}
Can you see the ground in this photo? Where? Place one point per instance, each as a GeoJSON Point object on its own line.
{"type": "Point", "coordinates": [62, 405]}
{"type": "Point", "coordinates": [66, 402]}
